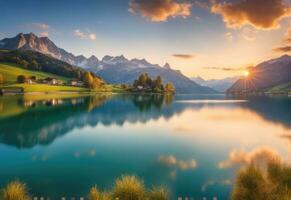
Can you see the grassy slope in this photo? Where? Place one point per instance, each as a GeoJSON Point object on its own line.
{"type": "Point", "coordinates": [284, 88]}
{"type": "Point", "coordinates": [11, 71]}
{"type": "Point", "coordinates": [48, 88]}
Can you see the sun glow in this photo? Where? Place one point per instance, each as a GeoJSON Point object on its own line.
{"type": "Point", "coordinates": [246, 73]}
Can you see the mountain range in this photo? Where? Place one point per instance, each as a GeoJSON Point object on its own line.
{"type": "Point", "coordinates": [220, 85]}
{"type": "Point", "coordinates": [264, 76]}
{"type": "Point", "coordinates": [114, 70]}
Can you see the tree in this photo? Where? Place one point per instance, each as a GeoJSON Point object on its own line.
{"type": "Point", "coordinates": [1, 79]}
{"type": "Point", "coordinates": [158, 84]}
{"type": "Point", "coordinates": [169, 87]}
{"type": "Point", "coordinates": [21, 79]}
{"type": "Point", "coordinates": [34, 65]}
{"type": "Point", "coordinates": [24, 64]}
{"type": "Point", "coordinates": [88, 79]}
{"type": "Point", "coordinates": [143, 79]}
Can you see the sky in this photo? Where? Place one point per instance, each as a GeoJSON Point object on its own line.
{"type": "Point", "coordinates": [207, 38]}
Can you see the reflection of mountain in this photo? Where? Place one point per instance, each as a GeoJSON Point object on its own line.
{"type": "Point", "coordinates": [275, 109]}
{"type": "Point", "coordinates": [41, 122]}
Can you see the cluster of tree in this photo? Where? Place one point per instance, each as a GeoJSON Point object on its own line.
{"type": "Point", "coordinates": [39, 62]}
{"type": "Point", "coordinates": [146, 83]}
{"type": "Point", "coordinates": [92, 81]}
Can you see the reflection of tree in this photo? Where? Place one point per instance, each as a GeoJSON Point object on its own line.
{"type": "Point", "coordinates": [146, 102]}
{"type": "Point", "coordinates": [42, 121]}
{"type": "Point", "coordinates": [96, 101]}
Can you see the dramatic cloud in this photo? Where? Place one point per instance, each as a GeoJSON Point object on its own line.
{"type": "Point", "coordinates": [183, 56]}
{"type": "Point", "coordinates": [84, 35]}
{"type": "Point", "coordinates": [287, 38]}
{"type": "Point", "coordinates": [227, 68]}
{"type": "Point", "coordinates": [44, 34]}
{"type": "Point", "coordinates": [286, 44]}
{"type": "Point", "coordinates": [172, 161]}
{"type": "Point", "coordinates": [42, 28]}
{"type": "Point", "coordinates": [262, 14]}
{"type": "Point", "coordinates": [259, 157]}
{"type": "Point", "coordinates": [160, 10]}
{"type": "Point", "coordinates": [285, 49]}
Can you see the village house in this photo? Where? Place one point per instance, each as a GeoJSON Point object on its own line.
{"type": "Point", "coordinates": [76, 83]}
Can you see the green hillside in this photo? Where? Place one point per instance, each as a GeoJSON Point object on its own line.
{"type": "Point", "coordinates": [11, 71]}
{"type": "Point", "coordinates": [283, 88]}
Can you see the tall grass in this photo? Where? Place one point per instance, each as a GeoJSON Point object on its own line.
{"type": "Point", "coordinates": [95, 194]}
{"type": "Point", "coordinates": [128, 188]}
{"type": "Point", "coordinates": [158, 193]}
{"type": "Point", "coordinates": [15, 191]}
{"type": "Point", "coordinates": [258, 184]}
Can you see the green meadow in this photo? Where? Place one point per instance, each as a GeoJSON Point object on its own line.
{"type": "Point", "coordinates": [11, 71]}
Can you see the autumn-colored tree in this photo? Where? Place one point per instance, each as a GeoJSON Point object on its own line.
{"type": "Point", "coordinates": [1, 79]}
{"type": "Point", "coordinates": [169, 87]}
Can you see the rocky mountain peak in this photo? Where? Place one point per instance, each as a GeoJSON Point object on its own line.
{"type": "Point", "coordinates": [167, 66]}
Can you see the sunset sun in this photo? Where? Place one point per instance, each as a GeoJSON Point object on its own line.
{"type": "Point", "coordinates": [246, 73]}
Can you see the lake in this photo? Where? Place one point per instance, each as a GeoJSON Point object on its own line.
{"type": "Point", "coordinates": [193, 144]}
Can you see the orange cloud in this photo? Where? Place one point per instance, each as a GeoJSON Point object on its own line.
{"type": "Point", "coordinates": [184, 56]}
{"type": "Point", "coordinates": [260, 157]}
{"type": "Point", "coordinates": [285, 49]}
{"type": "Point", "coordinates": [172, 161]}
{"type": "Point", "coordinates": [160, 10]}
{"type": "Point", "coordinates": [262, 14]}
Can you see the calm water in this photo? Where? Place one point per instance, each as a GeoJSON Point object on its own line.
{"type": "Point", "coordinates": [192, 144]}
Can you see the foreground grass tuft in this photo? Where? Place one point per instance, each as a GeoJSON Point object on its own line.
{"type": "Point", "coordinates": [128, 188]}
{"type": "Point", "coordinates": [95, 194]}
{"type": "Point", "coordinates": [15, 191]}
{"type": "Point", "coordinates": [158, 193]}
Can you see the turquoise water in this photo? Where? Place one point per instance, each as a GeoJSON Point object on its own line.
{"type": "Point", "coordinates": [61, 147]}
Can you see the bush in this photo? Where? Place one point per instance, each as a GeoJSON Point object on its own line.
{"type": "Point", "coordinates": [95, 194]}
{"type": "Point", "coordinates": [158, 193]}
{"type": "Point", "coordinates": [15, 191]}
{"type": "Point", "coordinates": [250, 184]}
{"type": "Point", "coordinates": [128, 188]}
{"type": "Point", "coordinates": [21, 79]}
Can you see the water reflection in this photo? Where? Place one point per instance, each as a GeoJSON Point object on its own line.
{"type": "Point", "coordinates": [40, 120]}
{"type": "Point", "coordinates": [189, 143]}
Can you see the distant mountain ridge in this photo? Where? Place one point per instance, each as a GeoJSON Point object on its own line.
{"type": "Point", "coordinates": [220, 85]}
{"type": "Point", "coordinates": [265, 76]}
{"type": "Point", "coordinates": [113, 69]}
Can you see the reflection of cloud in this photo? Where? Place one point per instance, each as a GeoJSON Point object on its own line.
{"type": "Point", "coordinates": [182, 129]}
{"type": "Point", "coordinates": [262, 14]}
{"type": "Point", "coordinates": [160, 10]}
{"type": "Point", "coordinates": [92, 152]}
{"type": "Point", "coordinates": [213, 182]}
{"type": "Point", "coordinates": [77, 154]}
{"type": "Point", "coordinates": [259, 157]}
{"type": "Point", "coordinates": [172, 161]}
